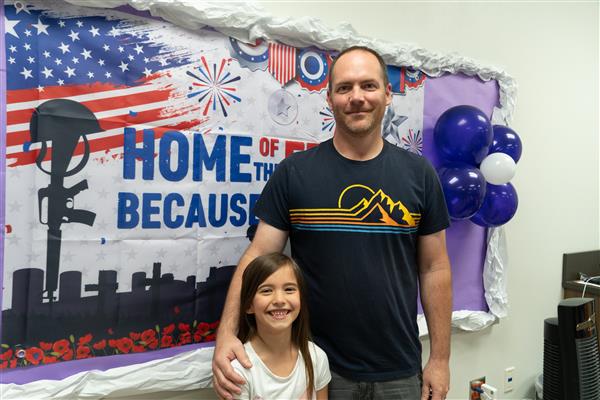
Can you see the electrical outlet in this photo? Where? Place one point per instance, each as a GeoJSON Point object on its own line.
{"type": "Point", "coordinates": [509, 376]}
{"type": "Point", "coordinates": [475, 389]}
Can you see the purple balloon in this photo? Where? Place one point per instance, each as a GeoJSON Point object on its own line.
{"type": "Point", "coordinates": [464, 189]}
{"type": "Point", "coordinates": [463, 133]}
{"type": "Point", "coordinates": [506, 141]}
{"type": "Point", "coordinates": [499, 206]}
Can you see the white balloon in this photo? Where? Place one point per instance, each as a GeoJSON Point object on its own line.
{"type": "Point", "coordinates": [498, 168]}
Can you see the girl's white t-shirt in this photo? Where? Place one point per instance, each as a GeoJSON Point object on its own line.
{"type": "Point", "coordinates": [262, 384]}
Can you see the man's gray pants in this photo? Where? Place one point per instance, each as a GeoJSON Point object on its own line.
{"type": "Point", "coordinates": [401, 389]}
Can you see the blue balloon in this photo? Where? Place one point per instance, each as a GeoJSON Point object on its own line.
{"type": "Point", "coordinates": [464, 189]}
{"type": "Point", "coordinates": [506, 141]}
{"type": "Point", "coordinates": [463, 133]}
{"type": "Point", "coordinates": [499, 206]}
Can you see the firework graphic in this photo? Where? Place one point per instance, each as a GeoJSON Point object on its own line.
{"type": "Point", "coordinates": [413, 142]}
{"type": "Point", "coordinates": [327, 122]}
{"type": "Point", "coordinates": [213, 86]}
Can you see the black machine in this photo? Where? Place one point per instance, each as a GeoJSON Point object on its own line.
{"type": "Point", "coordinates": [571, 355]}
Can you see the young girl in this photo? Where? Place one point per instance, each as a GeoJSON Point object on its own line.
{"type": "Point", "coordinates": [273, 326]}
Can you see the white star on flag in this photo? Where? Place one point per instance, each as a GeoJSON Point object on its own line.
{"type": "Point", "coordinates": [86, 54]}
{"type": "Point", "coordinates": [26, 73]}
{"type": "Point", "coordinates": [70, 71]}
{"type": "Point", "coordinates": [138, 49]}
{"type": "Point", "coordinates": [64, 48]}
{"type": "Point", "coordinates": [41, 28]}
{"type": "Point", "coordinates": [46, 54]}
{"type": "Point", "coordinates": [47, 72]}
{"type": "Point", "coordinates": [94, 31]}
{"type": "Point", "coordinates": [9, 26]}
{"type": "Point", "coordinates": [73, 35]}
{"type": "Point", "coordinates": [124, 66]}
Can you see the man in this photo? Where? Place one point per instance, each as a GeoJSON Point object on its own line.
{"type": "Point", "coordinates": [366, 222]}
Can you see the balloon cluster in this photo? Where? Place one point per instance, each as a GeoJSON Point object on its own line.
{"type": "Point", "coordinates": [479, 161]}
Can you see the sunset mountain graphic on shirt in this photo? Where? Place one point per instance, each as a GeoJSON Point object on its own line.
{"type": "Point", "coordinates": [369, 211]}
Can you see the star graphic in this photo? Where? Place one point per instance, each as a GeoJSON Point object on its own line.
{"type": "Point", "coordinates": [27, 32]}
{"type": "Point", "coordinates": [40, 88]}
{"type": "Point", "coordinates": [163, 62]}
{"type": "Point", "coordinates": [70, 72]}
{"type": "Point", "coordinates": [60, 82]}
{"type": "Point", "coordinates": [67, 257]}
{"type": "Point", "coordinates": [12, 48]}
{"type": "Point", "coordinates": [107, 75]}
{"type": "Point", "coordinates": [73, 35]}
{"type": "Point", "coordinates": [47, 72]}
{"type": "Point", "coordinates": [31, 59]}
{"type": "Point", "coordinates": [101, 62]}
{"type": "Point", "coordinates": [160, 254]}
{"type": "Point", "coordinates": [147, 72]}
{"type": "Point", "coordinates": [31, 257]}
{"type": "Point", "coordinates": [64, 48]}
{"type": "Point", "coordinates": [283, 107]}
{"type": "Point", "coordinates": [9, 26]}
{"type": "Point", "coordinates": [41, 28]}
{"type": "Point", "coordinates": [146, 60]}
{"type": "Point", "coordinates": [94, 31]}
{"type": "Point", "coordinates": [130, 57]}
{"type": "Point", "coordinates": [75, 60]}
{"type": "Point", "coordinates": [131, 254]}
{"type": "Point", "coordinates": [61, 23]}
{"type": "Point", "coordinates": [138, 49]}
{"type": "Point", "coordinates": [26, 73]}
{"type": "Point", "coordinates": [58, 61]}
{"type": "Point", "coordinates": [86, 54]}
{"type": "Point", "coordinates": [13, 240]}
{"type": "Point", "coordinates": [124, 66]}
{"type": "Point", "coordinates": [20, 6]}
{"type": "Point", "coordinates": [90, 74]}
{"type": "Point", "coordinates": [121, 49]}
{"type": "Point", "coordinates": [27, 46]}
{"type": "Point", "coordinates": [11, 60]}
{"type": "Point", "coordinates": [79, 24]}
{"type": "Point", "coordinates": [106, 47]}
{"type": "Point", "coordinates": [46, 54]}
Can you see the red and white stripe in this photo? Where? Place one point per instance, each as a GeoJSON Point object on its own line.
{"type": "Point", "coordinates": [154, 107]}
{"type": "Point", "coordinates": [282, 62]}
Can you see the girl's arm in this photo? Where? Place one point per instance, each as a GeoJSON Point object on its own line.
{"type": "Point", "coordinates": [322, 394]}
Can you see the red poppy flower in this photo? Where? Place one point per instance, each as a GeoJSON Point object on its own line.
{"type": "Point", "coordinates": [7, 355]}
{"type": "Point", "coordinates": [148, 335]}
{"type": "Point", "coordinates": [124, 345]}
{"type": "Point", "coordinates": [214, 325]}
{"type": "Point", "coordinates": [166, 341]}
{"type": "Point", "coordinates": [84, 339]}
{"type": "Point", "coordinates": [185, 338]}
{"type": "Point", "coordinates": [68, 355]}
{"type": "Point", "coordinates": [49, 359]}
{"type": "Point", "coordinates": [153, 344]}
{"type": "Point", "coordinates": [210, 338]}
{"type": "Point", "coordinates": [183, 327]}
{"type": "Point", "coordinates": [203, 328]}
{"type": "Point", "coordinates": [134, 335]}
{"type": "Point", "coordinates": [83, 352]}
{"type": "Point", "coordinates": [3, 364]}
{"type": "Point", "coordinates": [197, 336]}
{"type": "Point", "coordinates": [112, 343]}
{"type": "Point", "coordinates": [136, 348]}
{"type": "Point", "coordinates": [100, 345]}
{"type": "Point", "coordinates": [13, 363]}
{"type": "Point", "coordinates": [61, 346]}
{"type": "Point", "coordinates": [168, 329]}
{"type": "Point", "coordinates": [34, 355]}
{"type": "Point", "coordinates": [46, 346]}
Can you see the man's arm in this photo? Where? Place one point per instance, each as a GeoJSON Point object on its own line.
{"type": "Point", "coordinates": [436, 297]}
{"type": "Point", "coordinates": [267, 239]}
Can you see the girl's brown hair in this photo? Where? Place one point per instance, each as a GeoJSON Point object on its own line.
{"type": "Point", "coordinates": [255, 274]}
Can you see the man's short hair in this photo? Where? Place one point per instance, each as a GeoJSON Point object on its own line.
{"type": "Point", "coordinates": [382, 64]}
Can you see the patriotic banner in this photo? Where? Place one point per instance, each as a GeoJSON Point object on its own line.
{"type": "Point", "coordinates": [282, 62]}
{"type": "Point", "coordinates": [135, 151]}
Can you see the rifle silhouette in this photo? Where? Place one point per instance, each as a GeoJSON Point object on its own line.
{"type": "Point", "coordinates": [62, 122]}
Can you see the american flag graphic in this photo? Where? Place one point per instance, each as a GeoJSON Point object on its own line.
{"type": "Point", "coordinates": [110, 66]}
{"type": "Point", "coordinates": [282, 62]}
